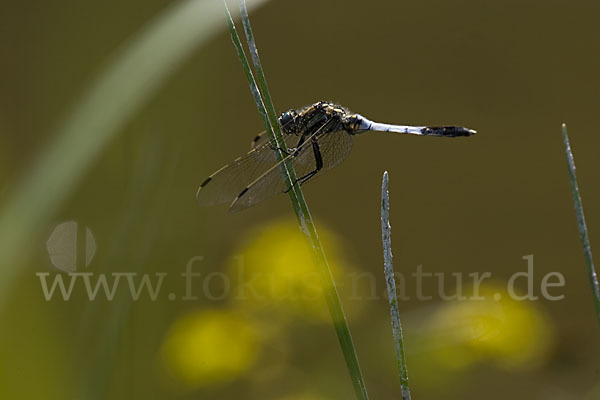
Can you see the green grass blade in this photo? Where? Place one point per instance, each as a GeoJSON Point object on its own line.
{"type": "Point", "coordinates": [287, 171]}
{"type": "Point", "coordinates": [583, 232]}
{"type": "Point", "coordinates": [274, 131]}
{"type": "Point", "coordinates": [126, 83]}
{"type": "Point", "coordinates": [235, 38]}
{"type": "Point", "coordinates": [260, 73]}
{"type": "Point", "coordinates": [298, 201]}
{"type": "Point", "coordinates": [388, 268]}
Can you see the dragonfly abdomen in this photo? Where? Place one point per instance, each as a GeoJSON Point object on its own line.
{"type": "Point", "coordinates": [364, 124]}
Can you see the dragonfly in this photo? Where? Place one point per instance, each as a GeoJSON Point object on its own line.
{"type": "Point", "coordinates": [318, 137]}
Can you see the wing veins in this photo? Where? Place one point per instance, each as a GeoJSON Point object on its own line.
{"type": "Point", "coordinates": [222, 185]}
{"type": "Point", "coordinates": [278, 164]}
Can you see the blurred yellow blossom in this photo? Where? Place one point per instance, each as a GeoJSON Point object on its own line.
{"type": "Point", "coordinates": [512, 334]}
{"type": "Point", "coordinates": [209, 347]}
{"type": "Point", "coordinates": [276, 269]}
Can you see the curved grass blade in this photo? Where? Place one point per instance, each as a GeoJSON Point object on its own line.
{"type": "Point", "coordinates": [298, 201]}
{"type": "Point", "coordinates": [388, 269]}
{"type": "Point", "coordinates": [583, 232]}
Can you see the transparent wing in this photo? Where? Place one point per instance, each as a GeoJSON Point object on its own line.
{"type": "Point", "coordinates": [259, 140]}
{"type": "Point", "coordinates": [334, 147]}
{"type": "Point", "coordinates": [226, 183]}
{"type": "Point", "coordinates": [271, 181]}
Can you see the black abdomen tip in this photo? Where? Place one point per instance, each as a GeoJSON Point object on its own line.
{"type": "Point", "coordinates": [447, 131]}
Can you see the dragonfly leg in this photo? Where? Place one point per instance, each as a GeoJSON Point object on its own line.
{"type": "Point", "coordinates": [291, 151]}
{"type": "Point", "coordinates": [318, 160]}
{"type": "Point", "coordinates": [318, 166]}
{"type": "Point", "coordinates": [299, 145]}
{"type": "Point", "coordinates": [261, 137]}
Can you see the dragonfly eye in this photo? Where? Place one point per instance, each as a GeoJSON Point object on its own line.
{"type": "Point", "coordinates": [287, 120]}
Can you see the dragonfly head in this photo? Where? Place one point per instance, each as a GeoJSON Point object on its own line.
{"type": "Point", "coordinates": [288, 121]}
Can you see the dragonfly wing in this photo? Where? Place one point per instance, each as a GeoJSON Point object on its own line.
{"type": "Point", "coordinates": [334, 148]}
{"type": "Point", "coordinates": [259, 140]}
{"type": "Point", "coordinates": [226, 183]}
{"type": "Point", "coordinates": [263, 138]}
{"type": "Point", "coordinates": [271, 182]}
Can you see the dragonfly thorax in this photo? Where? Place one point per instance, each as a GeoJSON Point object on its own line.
{"type": "Point", "coordinates": [322, 116]}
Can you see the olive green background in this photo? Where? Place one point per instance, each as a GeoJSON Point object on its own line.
{"type": "Point", "coordinates": [512, 70]}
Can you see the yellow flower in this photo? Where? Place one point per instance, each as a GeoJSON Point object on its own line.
{"type": "Point", "coordinates": [512, 334]}
{"type": "Point", "coordinates": [209, 347]}
{"type": "Point", "coordinates": [276, 269]}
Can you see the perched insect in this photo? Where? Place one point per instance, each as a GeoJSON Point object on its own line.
{"type": "Point", "coordinates": [318, 138]}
